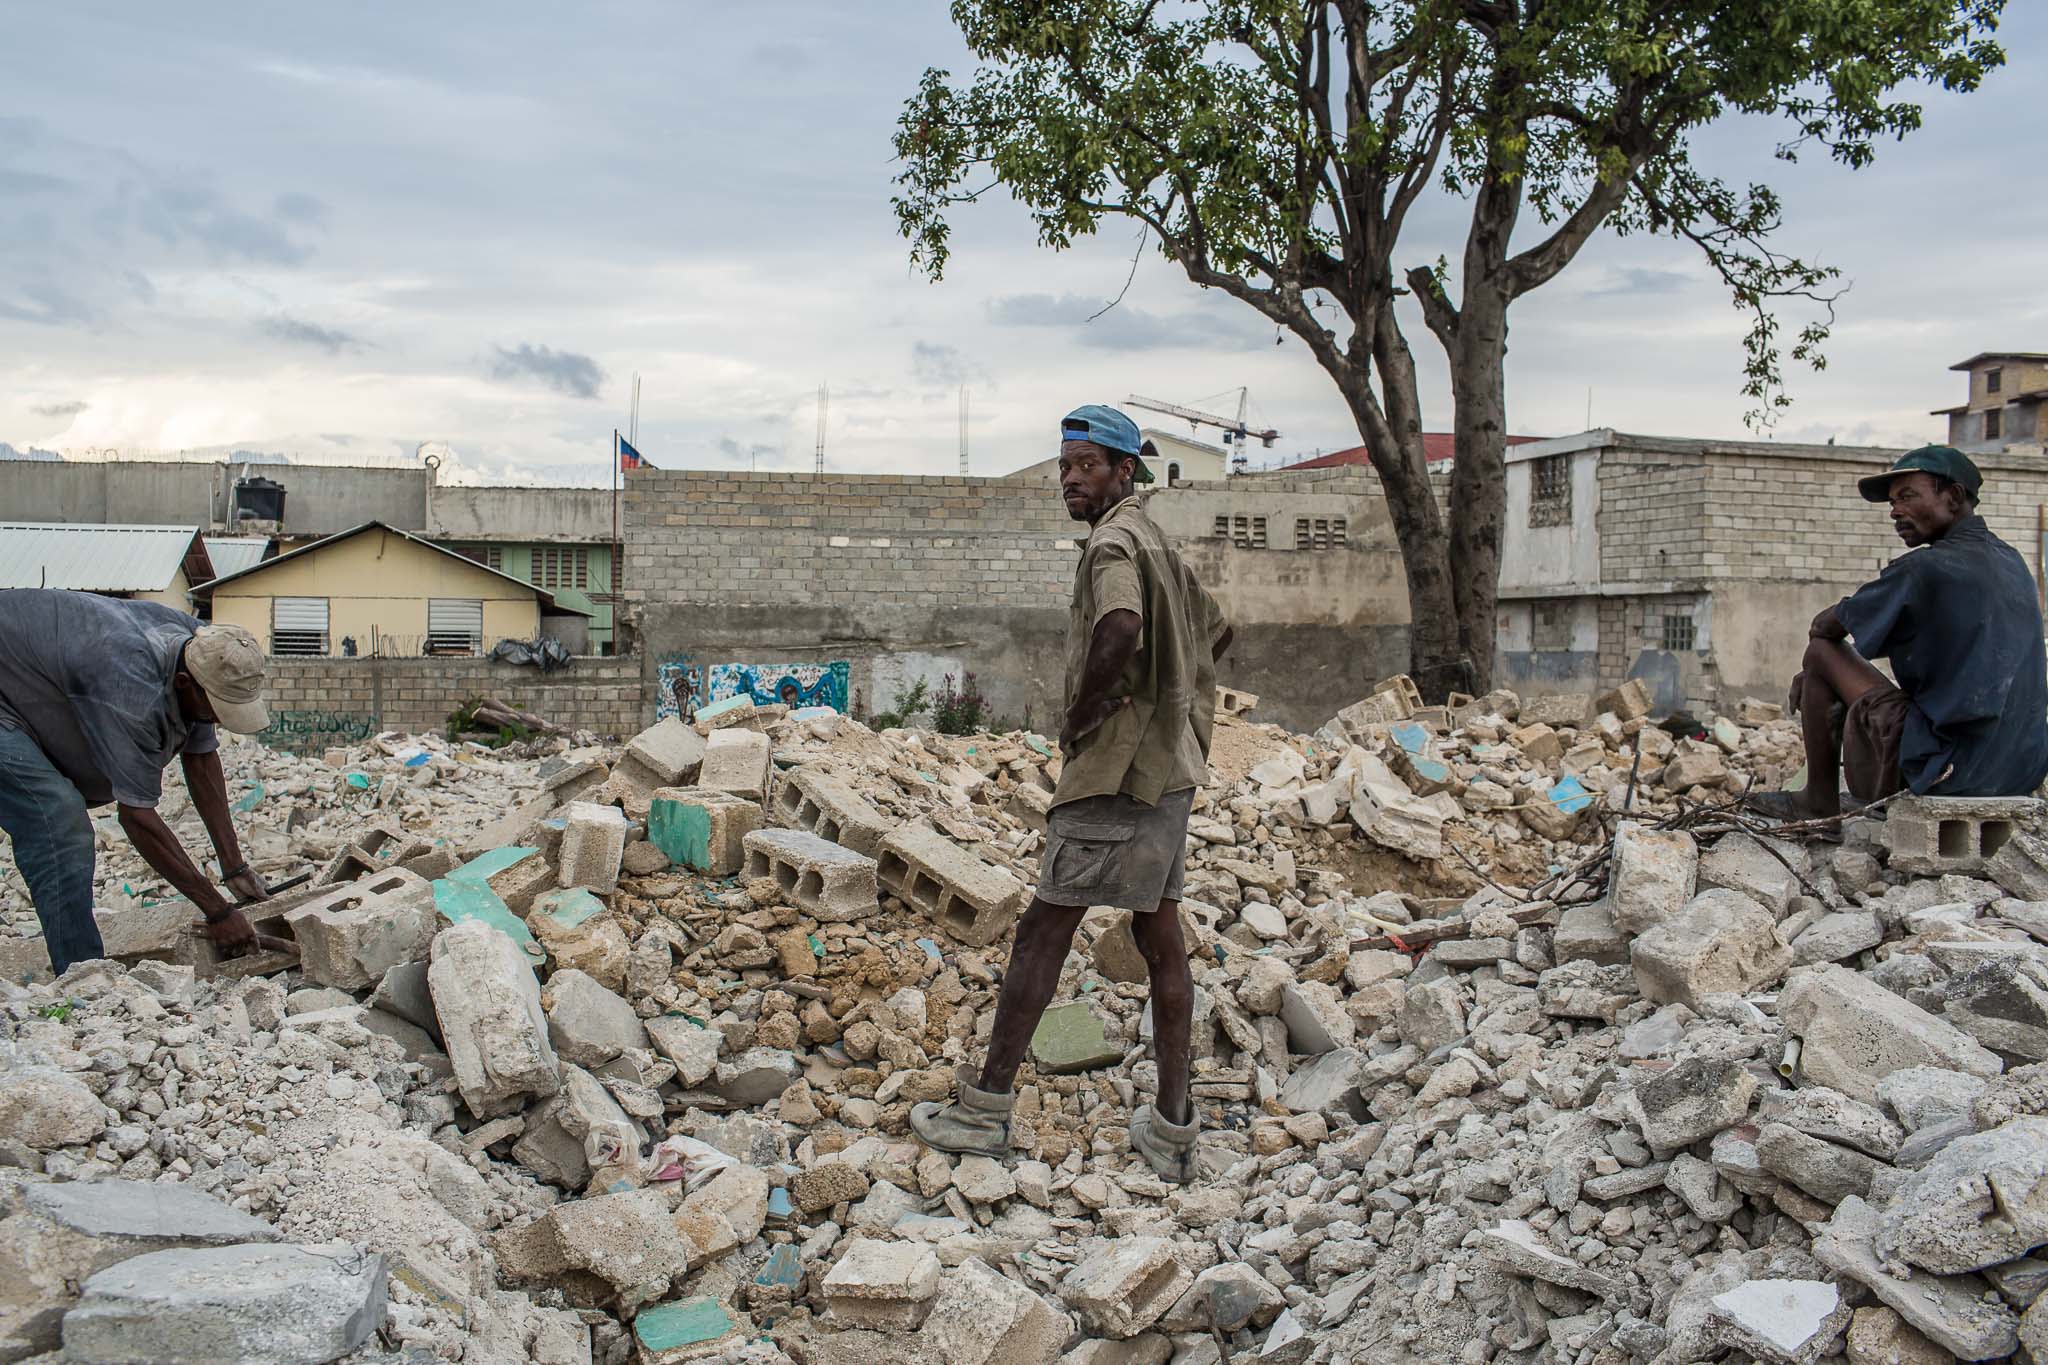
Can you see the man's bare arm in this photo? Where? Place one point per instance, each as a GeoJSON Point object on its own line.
{"type": "Point", "coordinates": [161, 849]}
{"type": "Point", "coordinates": [1110, 647]}
{"type": "Point", "coordinates": [208, 786]}
{"type": "Point", "coordinates": [1827, 626]}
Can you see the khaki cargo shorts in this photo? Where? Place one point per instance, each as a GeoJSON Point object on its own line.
{"type": "Point", "coordinates": [1116, 850]}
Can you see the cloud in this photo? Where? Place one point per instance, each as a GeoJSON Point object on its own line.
{"type": "Point", "coordinates": [565, 372]}
{"type": "Point", "coordinates": [941, 367]}
{"type": "Point", "coordinates": [50, 304]}
{"type": "Point", "coordinates": [733, 450]}
{"type": "Point", "coordinates": [1127, 327]}
{"type": "Point", "coordinates": [59, 409]}
{"type": "Point", "coordinates": [329, 339]}
{"type": "Point", "coordinates": [302, 208]}
{"type": "Point", "coordinates": [1639, 280]}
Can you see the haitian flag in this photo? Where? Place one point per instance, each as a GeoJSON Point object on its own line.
{"type": "Point", "coordinates": [630, 458]}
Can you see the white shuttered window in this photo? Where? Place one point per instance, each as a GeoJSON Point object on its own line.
{"type": "Point", "coordinates": [455, 625]}
{"type": "Point", "coordinates": [298, 626]}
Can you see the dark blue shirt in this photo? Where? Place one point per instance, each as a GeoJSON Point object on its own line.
{"type": "Point", "coordinates": [1961, 623]}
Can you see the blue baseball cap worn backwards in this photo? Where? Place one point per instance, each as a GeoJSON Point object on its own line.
{"type": "Point", "coordinates": [1108, 428]}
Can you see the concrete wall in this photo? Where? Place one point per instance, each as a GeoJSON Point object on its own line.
{"type": "Point", "coordinates": [116, 491]}
{"type": "Point", "coordinates": [318, 703]}
{"type": "Point", "coordinates": [377, 588]}
{"type": "Point", "coordinates": [574, 515]}
{"type": "Point", "coordinates": [320, 500]}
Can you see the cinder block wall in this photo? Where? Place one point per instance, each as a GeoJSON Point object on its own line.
{"type": "Point", "coordinates": [321, 702]}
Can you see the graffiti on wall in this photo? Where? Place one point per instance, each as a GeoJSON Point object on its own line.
{"type": "Point", "coordinates": [310, 731]}
{"type": "Point", "coordinates": [686, 685]}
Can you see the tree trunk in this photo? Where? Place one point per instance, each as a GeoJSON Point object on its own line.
{"type": "Point", "coordinates": [1479, 479]}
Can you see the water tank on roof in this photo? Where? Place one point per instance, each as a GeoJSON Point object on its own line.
{"type": "Point", "coordinates": [259, 499]}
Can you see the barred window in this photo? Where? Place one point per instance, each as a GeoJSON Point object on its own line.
{"type": "Point", "coordinates": [1550, 491]}
{"type": "Point", "coordinates": [1994, 423]}
{"type": "Point", "coordinates": [1319, 533]}
{"type": "Point", "coordinates": [1994, 379]}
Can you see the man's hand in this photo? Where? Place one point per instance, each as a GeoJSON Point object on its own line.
{"type": "Point", "coordinates": [248, 886]}
{"type": "Point", "coordinates": [1827, 626]}
{"type": "Point", "coordinates": [231, 933]}
{"type": "Point", "coordinates": [1087, 716]}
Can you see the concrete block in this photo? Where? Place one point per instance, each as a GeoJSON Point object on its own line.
{"type": "Point", "coordinates": [593, 842]}
{"type": "Point", "coordinates": [1563, 708]}
{"type": "Point", "coordinates": [235, 1303]}
{"type": "Point", "coordinates": [885, 1286]}
{"type": "Point", "coordinates": [61, 1234]}
{"type": "Point", "coordinates": [2021, 867]}
{"type": "Point", "coordinates": [736, 761]}
{"type": "Point", "coordinates": [1032, 804]}
{"type": "Point", "coordinates": [812, 799]}
{"type": "Point", "coordinates": [1980, 1201]}
{"type": "Point", "coordinates": [587, 1024]}
{"type": "Point", "coordinates": [1653, 874]}
{"type": "Point", "coordinates": [981, 1318]}
{"type": "Point", "coordinates": [971, 899]}
{"type": "Point", "coordinates": [1126, 1285]}
{"type": "Point", "coordinates": [1630, 701]}
{"type": "Point", "coordinates": [517, 875]}
{"type": "Point", "coordinates": [577, 931]}
{"type": "Point", "coordinates": [379, 847]}
{"type": "Point", "coordinates": [615, 1250]}
{"type": "Point", "coordinates": [488, 1002]}
{"type": "Point", "coordinates": [1954, 1313]}
{"type": "Point", "coordinates": [1721, 942]}
{"type": "Point", "coordinates": [1936, 834]}
{"type": "Point", "coordinates": [350, 936]}
{"type": "Point", "coordinates": [2002, 1002]}
{"type": "Point", "coordinates": [1231, 702]}
{"type": "Point", "coordinates": [1692, 1100]}
{"type": "Point", "coordinates": [1739, 862]}
{"type": "Point", "coordinates": [702, 827]}
{"type": "Point", "coordinates": [1069, 1039]}
{"type": "Point", "coordinates": [1853, 1033]}
{"type": "Point", "coordinates": [1588, 932]}
{"type": "Point", "coordinates": [826, 881]}
{"type": "Point", "coordinates": [669, 749]}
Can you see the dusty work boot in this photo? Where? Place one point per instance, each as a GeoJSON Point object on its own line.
{"type": "Point", "coordinates": [976, 1124]}
{"type": "Point", "coordinates": [1168, 1147]}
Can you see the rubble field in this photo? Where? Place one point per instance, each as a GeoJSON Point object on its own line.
{"type": "Point", "coordinates": [1514, 1041]}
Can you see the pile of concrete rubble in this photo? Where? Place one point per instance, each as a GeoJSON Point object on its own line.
{"type": "Point", "coordinates": [606, 1055]}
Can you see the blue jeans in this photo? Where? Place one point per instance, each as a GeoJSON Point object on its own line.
{"type": "Point", "coordinates": [53, 846]}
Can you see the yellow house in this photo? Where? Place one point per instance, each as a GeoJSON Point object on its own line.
{"type": "Point", "coordinates": [379, 591]}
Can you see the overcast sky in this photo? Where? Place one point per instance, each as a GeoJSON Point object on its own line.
{"type": "Point", "coordinates": [343, 230]}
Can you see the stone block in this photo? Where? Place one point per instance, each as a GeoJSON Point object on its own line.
{"type": "Point", "coordinates": [1741, 863]}
{"type": "Point", "coordinates": [578, 931]}
{"type": "Point", "coordinates": [1630, 701]}
{"type": "Point", "coordinates": [669, 749]}
{"type": "Point", "coordinates": [587, 1024]}
{"type": "Point", "coordinates": [970, 898]}
{"type": "Point", "coordinates": [1693, 1100]}
{"type": "Point", "coordinates": [1694, 765]}
{"type": "Point", "coordinates": [1957, 1313]}
{"type": "Point", "coordinates": [826, 881]}
{"type": "Point", "coordinates": [1588, 933]}
{"type": "Point", "coordinates": [1125, 1285]}
{"type": "Point", "coordinates": [516, 874]}
{"type": "Point", "coordinates": [1853, 1033]}
{"type": "Point", "coordinates": [1564, 708]}
{"type": "Point", "coordinates": [488, 1002]}
{"type": "Point", "coordinates": [702, 827]}
{"type": "Point", "coordinates": [816, 801]}
{"type": "Point", "coordinates": [736, 761]}
{"type": "Point", "coordinates": [2002, 1002]}
{"type": "Point", "coordinates": [234, 1303]}
{"type": "Point", "coordinates": [2021, 867]}
{"type": "Point", "coordinates": [1538, 743]}
{"type": "Point", "coordinates": [58, 1235]}
{"type": "Point", "coordinates": [1653, 875]}
{"type": "Point", "coordinates": [593, 843]}
{"type": "Point", "coordinates": [691, 1047]}
{"type": "Point", "coordinates": [885, 1286]}
{"type": "Point", "coordinates": [350, 936]}
{"type": "Point", "coordinates": [44, 1109]}
{"type": "Point", "coordinates": [1722, 941]}
{"type": "Point", "coordinates": [981, 1318]}
{"type": "Point", "coordinates": [1937, 834]}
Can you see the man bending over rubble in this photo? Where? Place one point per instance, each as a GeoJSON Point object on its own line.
{"type": "Point", "coordinates": [96, 697]}
{"type": "Point", "coordinates": [1961, 623]}
{"type": "Point", "coordinates": [1142, 640]}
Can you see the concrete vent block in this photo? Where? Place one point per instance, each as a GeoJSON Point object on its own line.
{"type": "Point", "coordinates": [1932, 835]}
{"type": "Point", "coordinates": [1231, 702]}
{"type": "Point", "coordinates": [971, 899]}
{"type": "Point", "coordinates": [350, 936]}
{"type": "Point", "coordinates": [828, 882]}
{"type": "Point", "coordinates": [380, 847]}
{"type": "Point", "coordinates": [813, 800]}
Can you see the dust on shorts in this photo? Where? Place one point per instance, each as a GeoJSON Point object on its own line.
{"type": "Point", "coordinates": [1116, 850]}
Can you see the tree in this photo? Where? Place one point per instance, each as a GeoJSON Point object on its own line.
{"type": "Point", "coordinates": [1276, 150]}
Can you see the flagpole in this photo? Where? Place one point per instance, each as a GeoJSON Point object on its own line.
{"type": "Point", "coordinates": [616, 574]}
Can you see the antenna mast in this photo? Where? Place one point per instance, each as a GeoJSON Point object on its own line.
{"type": "Point", "coordinates": [963, 431]}
{"type": "Point", "coordinates": [824, 404]}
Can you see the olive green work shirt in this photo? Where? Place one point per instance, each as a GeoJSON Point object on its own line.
{"type": "Point", "coordinates": [1158, 741]}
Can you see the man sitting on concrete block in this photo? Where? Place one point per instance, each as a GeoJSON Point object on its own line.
{"type": "Point", "coordinates": [97, 695]}
{"type": "Point", "coordinates": [1143, 638]}
{"type": "Point", "coordinates": [1961, 624]}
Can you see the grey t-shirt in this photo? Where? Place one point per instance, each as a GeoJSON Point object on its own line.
{"type": "Point", "coordinates": [89, 679]}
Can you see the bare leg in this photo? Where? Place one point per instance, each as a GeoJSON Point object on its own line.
{"type": "Point", "coordinates": [1043, 936]}
{"type": "Point", "coordinates": [1173, 1004]}
{"type": "Point", "coordinates": [1832, 672]}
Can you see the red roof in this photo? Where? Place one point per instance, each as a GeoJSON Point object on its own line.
{"type": "Point", "coordinates": [1437, 446]}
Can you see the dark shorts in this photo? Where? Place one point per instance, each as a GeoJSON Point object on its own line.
{"type": "Point", "coordinates": [1869, 736]}
{"type": "Point", "coordinates": [1116, 850]}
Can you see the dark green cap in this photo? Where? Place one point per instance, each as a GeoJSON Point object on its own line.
{"type": "Point", "coordinates": [1946, 461]}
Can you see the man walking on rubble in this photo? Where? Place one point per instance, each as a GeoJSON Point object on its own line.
{"type": "Point", "coordinates": [96, 697]}
{"type": "Point", "coordinates": [1142, 640]}
{"type": "Point", "coordinates": [1961, 624]}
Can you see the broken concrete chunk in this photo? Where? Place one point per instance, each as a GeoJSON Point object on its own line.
{"type": "Point", "coordinates": [350, 936]}
{"type": "Point", "coordinates": [1692, 1100]}
{"type": "Point", "coordinates": [488, 1003]}
{"type": "Point", "coordinates": [1757, 869]}
{"type": "Point", "coordinates": [1785, 1322]}
{"type": "Point", "coordinates": [1981, 1200]}
{"type": "Point", "coordinates": [703, 828]}
{"type": "Point", "coordinates": [577, 931]}
{"type": "Point", "coordinates": [1958, 1313]}
{"type": "Point", "coordinates": [587, 1024]}
{"type": "Point", "coordinates": [593, 843]}
{"type": "Point", "coordinates": [981, 1318]}
{"type": "Point", "coordinates": [1125, 1285]}
{"type": "Point", "coordinates": [2002, 1002]}
{"type": "Point", "coordinates": [1722, 941]}
{"type": "Point", "coordinates": [1520, 1248]}
{"type": "Point", "coordinates": [1853, 1033]}
{"type": "Point", "coordinates": [1652, 876]}
{"type": "Point", "coordinates": [887, 1286]}
{"type": "Point", "coordinates": [1069, 1039]}
{"type": "Point", "coordinates": [1828, 1172]}
{"type": "Point", "coordinates": [1830, 1114]}
{"type": "Point", "coordinates": [669, 749]}
{"type": "Point", "coordinates": [736, 761]}
{"type": "Point", "coordinates": [45, 1109]}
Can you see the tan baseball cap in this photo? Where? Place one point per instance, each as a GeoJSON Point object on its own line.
{"type": "Point", "coordinates": [229, 666]}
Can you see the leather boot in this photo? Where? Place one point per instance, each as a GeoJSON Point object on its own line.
{"type": "Point", "coordinates": [1168, 1147]}
{"type": "Point", "coordinates": [975, 1124]}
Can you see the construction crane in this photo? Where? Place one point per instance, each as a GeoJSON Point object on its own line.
{"type": "Point", "coordinates": [1233, 431]}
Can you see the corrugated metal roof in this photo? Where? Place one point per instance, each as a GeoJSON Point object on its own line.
{"type": "Point", "coordinates": [232, 554]}
{"type": "Point", "coordinates": [45, 554]}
